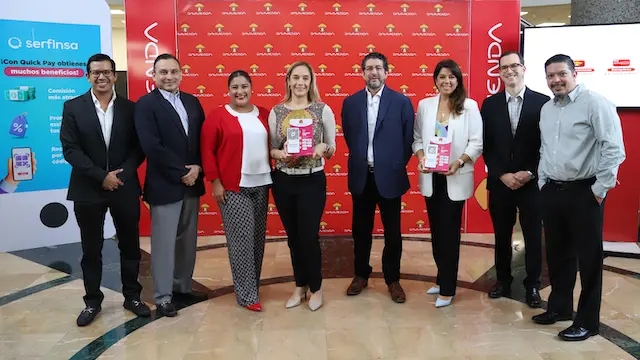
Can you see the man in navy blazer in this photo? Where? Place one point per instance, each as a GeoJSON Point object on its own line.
{"type": "Point", "coordinates": [378, 128]}
{"type": "Point", "coordinates": [168, 122]}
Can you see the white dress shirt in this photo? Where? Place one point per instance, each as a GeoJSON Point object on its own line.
{"type": "Point", "coordinates": [514, 105]}
{"type": "Point", "coordinates": [178, 106]}
{"type": "Point", "coordinates": [373, 106]}
{"type": "Point", "coordinates": [256, 169]}
{"type": "Point", "coordinates": [105, 117]}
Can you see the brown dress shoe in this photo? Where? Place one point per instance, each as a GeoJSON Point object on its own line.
{"type": "Point", "coordinates": [357, 285]}
{"type": "Point", "coordinates": [397, 294]}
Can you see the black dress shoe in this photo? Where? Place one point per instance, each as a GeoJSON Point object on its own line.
{"type": "Point", "coordinates": [533, 298]}
{"type": "Point", "coordinates": [498, 290]}
{"type": "Point", "coordinates": [167, 309]}
{"type": "Point", "coordinates": [548, 318]}
{"type": "Point", "coordinates": [137, 307]}
{"type": "Point", "coordinates": [87, 315]}
{"type": "Point", "coordinates": [194, 296]}
{"type": "Point", "coordinates": [576, 333]}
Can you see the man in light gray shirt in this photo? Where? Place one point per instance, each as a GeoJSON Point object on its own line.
{"type": "Point", "coordinates": [581, 152]}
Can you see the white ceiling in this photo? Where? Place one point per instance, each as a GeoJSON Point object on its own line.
{"type": "Point", "coordinates": [523, 3]}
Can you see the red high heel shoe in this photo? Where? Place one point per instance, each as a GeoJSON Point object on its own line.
{"type": "Point", "coordinates": [254, 307]}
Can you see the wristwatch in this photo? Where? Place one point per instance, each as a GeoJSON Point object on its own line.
{"type": "Point", "coordinates": [461, 162]}
{"type": "Point", "coordinates": [531, 176]}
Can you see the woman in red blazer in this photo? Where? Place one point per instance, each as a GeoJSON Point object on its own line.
{"type": "Point", "coordinates": [235, 158]}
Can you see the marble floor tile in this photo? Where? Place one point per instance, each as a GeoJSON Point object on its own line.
{"type": "Point", "coordinates": [18, 274]}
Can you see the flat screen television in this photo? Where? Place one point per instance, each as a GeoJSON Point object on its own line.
{"type": "Point", "coordinates": [607, 58]}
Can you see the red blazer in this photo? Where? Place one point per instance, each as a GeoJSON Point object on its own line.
{"type": "Point", "coordinates": [221, 145]}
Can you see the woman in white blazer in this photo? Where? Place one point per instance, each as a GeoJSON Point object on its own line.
{"type": "Point", "coordinates": [449, 117]}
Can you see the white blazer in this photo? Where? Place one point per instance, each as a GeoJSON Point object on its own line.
{"type": "Point", "coordinates": [465, 133]}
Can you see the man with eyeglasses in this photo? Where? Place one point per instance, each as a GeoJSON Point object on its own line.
{"type": "Point", "coordinates": [581, 152]}
{"type": "Point", "coordinates": [378, 128]}
{"type": "Point", "coordinates": [100, 143]}
{"type": "Point", "coordinates": [511, 153]}
{"type": "Point", "coordinates": [168, 122]}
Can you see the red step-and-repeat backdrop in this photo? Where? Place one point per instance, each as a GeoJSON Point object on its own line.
{"type": "Point", "coordinates": [212, 38]}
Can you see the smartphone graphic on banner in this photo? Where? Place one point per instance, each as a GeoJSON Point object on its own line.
{"type": "Point", "coordinates": [22, 166]}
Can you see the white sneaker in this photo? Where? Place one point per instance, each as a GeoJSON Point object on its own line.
{"type": "Point", "coordinates": [296, 298]}
{"type": "Point", "coordinates": [435, 290]}
{"type": "Point", "coordinates": [315, 302]}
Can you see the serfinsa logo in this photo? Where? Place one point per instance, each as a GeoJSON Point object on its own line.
{"type": "Point", "coordinates": [268, 51]}
{"type": "Point", "coordinates": [404, 52]}
{"type": "Point", "coordinates": [204, 210]}
{"type": "Point", "coordinates": [337, 171]}
{"type": "Point", "coordinates": [337, 51]}
{"type": "Point", "coordinates": [16, 43]}
{"type": "Point", "coordinates": [424, 31]}
{"type": "Point", "coordinates": [186, 71]}
{"type": "Point", "coordinates": [437, 48]}
{"type": "Point", "coordinates": [438, 11]}
{"type": "Point", "coordinates": [337, 92]}
{"type": "Point", "coordinates": [302, 10]}
{"type": "Point", "coordinates": [336, 7]}
{"type": "Point", "coordinates": [457, 31]}
{"type": "Point", "coordinates": [404, 208]}
{"type": "Point", "coordinates": [199, 10]}
{"type": "Point", "coordinates": [269, 92]}
{"type": "Point", "coordinates": [219, 71]}
{"type": "Point", "coordinates": [391, 31]}
{"type": "Point", "coordinates": [235, 51]}
{"type": "Point", "coordinates": [253, 31]}
{"type": "Point", "coordinates": [406, 92]}
{"type": "Point", "coordinates": [404, 11]}
{"type": "Point", "coordinates": [202, 92]}
{"type": "Point", "coordinates": [356, 31]}
{"type": "Point", "coordinates": [288, 31]}
{"type": "Point", "coordinates": [371, 11]}
{"type": "Point", "coordinates": [184, 30]}
{"type": "Point", "coordinates": [272, 210]}
{"type": "Point", "coordinates": [268, 10]}
{"type": "Point", "coordinates": [337, 210]}
{"type": "Point", "coordinates": [322, 71]}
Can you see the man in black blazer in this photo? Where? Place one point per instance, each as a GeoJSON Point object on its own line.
{"type": "Point", "coordinates": [168, 122]}
{"type": "Point", "coordinates": [512, 153]}
{"type": "Point", "coordinates": [99, 141]}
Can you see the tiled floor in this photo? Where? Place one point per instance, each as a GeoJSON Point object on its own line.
{"type": "Point", "coordinates": [41, 325]}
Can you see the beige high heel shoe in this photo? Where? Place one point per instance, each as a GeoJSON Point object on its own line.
{"type": "Point", "coordinates": [296, 298]}
{"type": "Point", "coordinates": [315, 302]}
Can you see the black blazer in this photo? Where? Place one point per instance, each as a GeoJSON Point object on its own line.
{"type": "Point", "coordinates": [84, 148]}
{"type": "Point", "coordinates": [504, 153]}
{"type": "Point", "coordinates": [168, 148]}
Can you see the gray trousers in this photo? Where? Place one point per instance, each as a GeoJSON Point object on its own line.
{"type": "Point", "coordinates": [174, 236]}
{"type": "Point", "coordinates": [245, 223]}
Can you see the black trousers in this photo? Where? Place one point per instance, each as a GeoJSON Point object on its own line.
{"type": "Point", "coordinates": [364, 209]}
{"type": "Point", "coordinates": [573, 232]}
{"type": "Point", "coordinates": [125, 212]}
{"type": "Point", "coordinates": [445, 220]}
{"type": "Point", "coordinates": [300, 200]}
{"type": "Point", "coordinates": [503, 203]}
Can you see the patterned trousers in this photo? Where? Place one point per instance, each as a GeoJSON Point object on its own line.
{"type": "Point", "coordinates": [245, 223]}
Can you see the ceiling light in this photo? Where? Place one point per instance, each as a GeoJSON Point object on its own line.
{"type": "Point", "coordinates": [550, 24]}
{"type": "Point", "coordinates": [117, 12]}
{"type": "Point", "coordinates": [523, 13]}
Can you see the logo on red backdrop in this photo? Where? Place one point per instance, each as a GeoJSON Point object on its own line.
{"type": "Point", "coordinates": [202, 92]}
{"type": "Point", "coordinates": [303, 51]}
{"type": "Point", "coordinates": [184, 30]}
{"type": "Point", "coordinates": [438, 52]}
{"type": "Point", "coordinates": [234, 10]}
{"type": "Point", "coordinates": [253, 31]}
{"type": "Point", "coordinates": [371, 11]}
{"type": "Point", "coordinates": [219, 231]}
{"type": "Point", "coordinates": [404, 208]}
{"type": "Point", "coordinates": [336, 171]}
{"type": "Point", "coordinates": [269, 91]}
{"type": "Point", "coordinates": [457, 31]}
{"type": "Point", "coordinates": [434, 92]}
{"type": "Point", "coordinates": [322, 71]}
{"type": "Point", "coordinates": [438, 10]}
{"type": "Point", "coordinates": [390, 31]}
{"type": "Point", "coordinates": [406, 92]}
{"type": "Point", "coordinates": [420, 226]}
{"type": "Point", "coordinates": [272, 210]}
{"type": "Point", "coordinates": [336, 10]}
{"type": "Point", "coordinates": [187, 73]}
{"type": "Point", "coordinates": [219, 71]}
{"type": "Point", "coordinates": [424, 31]}
{"type": "Point", "coordinates": [337, 51]}
{"type": "Point", "coordinates": [302, 10]}
{"type": "Point", "coordinates": [356, 30]}
{"type": "Point", "coordinates": [336, 92]}
{"type": "Point", "coordinates": [268, 10]}
{"type": "Point", "coordinates": [322, 31]}
{"type": "Point", "coordinates": [404, 11]}
{"type": "Point", "coordinates": [356, 71]}
{"type": "Point", "coordinates": [370, 48]}
{"type": "Point", "coordinates": [200, 52]}
{"type": "Point", "coordinates": [219, 31]}
{"type": "Point", "coordinates": [204, 210]}
{"type": "Point", "coordinates": [423, 71]}
{"type": "Point", "coordinates": [255, 71]}
{"type": "Point", "coordinates": [392, 71]}
{"type": "Point", "coordinates": [268, 51]}
{"type": "Point", "coordinates": [404, 52]}
{"type": "Point", "coordinates": [199, 10]}
{"type": "Point", "coordinates": [336, 209]}
{"type": "Point", "coordinates": [339, 132]}
{"type": "Point", "coordinates": [235, 51]}
{"type": "Point", "coordinates": [288, 31]}
{"type": "Point", "coordinates": [324, 228]}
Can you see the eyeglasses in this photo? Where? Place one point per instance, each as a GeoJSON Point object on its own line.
{"type": "Point", "coordinates": [96, 73]}
{"type": "Point", "coordinates": [513, 67]}
{"type": "Point", "coordinates": [374, 68]}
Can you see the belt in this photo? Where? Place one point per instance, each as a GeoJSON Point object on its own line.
{"type": "Point", "coordinates": [371, 169]}
{"type": "Point", "coordinates": [565, 185]}
{"type": "Point", "coordinates": [293, 171]}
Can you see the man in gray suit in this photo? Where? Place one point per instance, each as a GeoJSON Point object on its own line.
{"type": "Point", "coordinates": [168, 122]}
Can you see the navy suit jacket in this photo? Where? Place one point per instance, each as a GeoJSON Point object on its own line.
{"type": "Point", "coordinates": [392, 142]}
{"type": "Point", "coordinates": [168, 148]}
